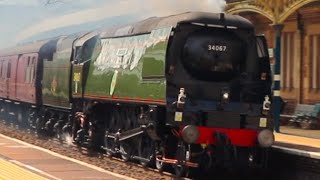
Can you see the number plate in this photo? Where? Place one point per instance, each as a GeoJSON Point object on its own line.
{"type": "Point", "coordinates": [263, 122]}
{"type": "Point", "coordinates": [217, 48]}
{"type": "Point", "coordinates": [178, 116]}
{"type": "Point", "coordinates": [76, 77]}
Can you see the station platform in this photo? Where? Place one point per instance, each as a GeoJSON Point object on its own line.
{"type": "Point", "coordinates": [297, 145]}
{"type": "Point", "coordinates": [20, 160]}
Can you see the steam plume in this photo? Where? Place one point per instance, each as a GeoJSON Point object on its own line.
{"type": "Point", "coordinates": [137, 8]}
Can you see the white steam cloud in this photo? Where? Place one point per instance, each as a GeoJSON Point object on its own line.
{"type": "Point", "coordinates": [138, 8]}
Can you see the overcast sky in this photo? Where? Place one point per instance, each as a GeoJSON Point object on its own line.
{"type": "Point", "coordinates": [21, 19]}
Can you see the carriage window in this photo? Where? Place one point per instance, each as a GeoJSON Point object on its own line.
{"type": "Point", "coordinates": [9, 70]}
{"type": "Point", "coordinates": [262, 47]}
{"type": "Point", "coordinates": [32, 67]}
{"type": "Point", "coordinates": [90, 50]}
{"type": "Point", "coordinates": [1, 70]}
{"type": "Point", "coordinates": [263, 54]}
{"type": "Point", "coordinates": [28, 71]}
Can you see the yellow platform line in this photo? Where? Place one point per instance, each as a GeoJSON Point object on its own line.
{"type": "Point", "coordinates": [10, 171]}
{"type": "Point", "coordinates": [297, 140]}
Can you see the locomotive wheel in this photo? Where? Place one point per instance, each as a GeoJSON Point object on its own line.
{"type": "Point", "coordinates": [241, 163]}
{"type": "Point", "coordinates": [146, 149]}
{"type": "Point", "coordinates": [58, 131]}
{"type": "Point", "coordinates": [31, 121]}
{"type": "Point", "coordinates": [109, 145]}
{"type": "Point", "coordinates": [160, 165]}
{"type": "Point", "coordinates": [39, 126]}
{"type": "Point", "coordinates": [128, 147]}
{"type": "Point", "coordinates": [20, 117]}
{"type": "Point", "coordinates": [1, 111]}
{"type": "Point", "coordinates": [126, 150]}
{"type": "Point", "coordinates": [206, 162]}
{"type": "Point", "coordinates": [180, 169]}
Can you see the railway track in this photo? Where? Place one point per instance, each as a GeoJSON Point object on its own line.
{"type": "Point", "coordinates": [99, 159]}
{"type": "Point", "coordinates": [282, 165]}
{"type": "Point", "coordinates": [293, 167]}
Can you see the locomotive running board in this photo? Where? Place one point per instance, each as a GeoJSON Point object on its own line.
{"type": "Point", "coordinates": [127, 134]}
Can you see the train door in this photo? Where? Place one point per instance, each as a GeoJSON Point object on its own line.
{"type": "Point", "coordinates": [7, 67]}
{"type": "Point", "coordinates": [12, 77]}
{"type": "Point", "coordinates": [2, 78]}
{"type": "Point", "coordinates": [21, 77]}
{"type": "Point", "coordinates": [26, 75]}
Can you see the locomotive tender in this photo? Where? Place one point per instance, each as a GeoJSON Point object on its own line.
{"type": "Point", "coordinates": [190, 90]}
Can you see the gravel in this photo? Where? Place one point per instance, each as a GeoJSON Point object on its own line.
{"type": "Point", "coordinates": [98, 159]}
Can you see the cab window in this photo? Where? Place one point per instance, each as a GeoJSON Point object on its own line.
{"type": "Point", "coordinates": [90, 50]}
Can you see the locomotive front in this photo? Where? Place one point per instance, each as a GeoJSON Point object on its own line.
{"type": "Point", "coordinates": [218, 89]}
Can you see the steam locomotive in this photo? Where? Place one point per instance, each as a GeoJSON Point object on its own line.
{"type": "Point", "coordinates": [190, 90]}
